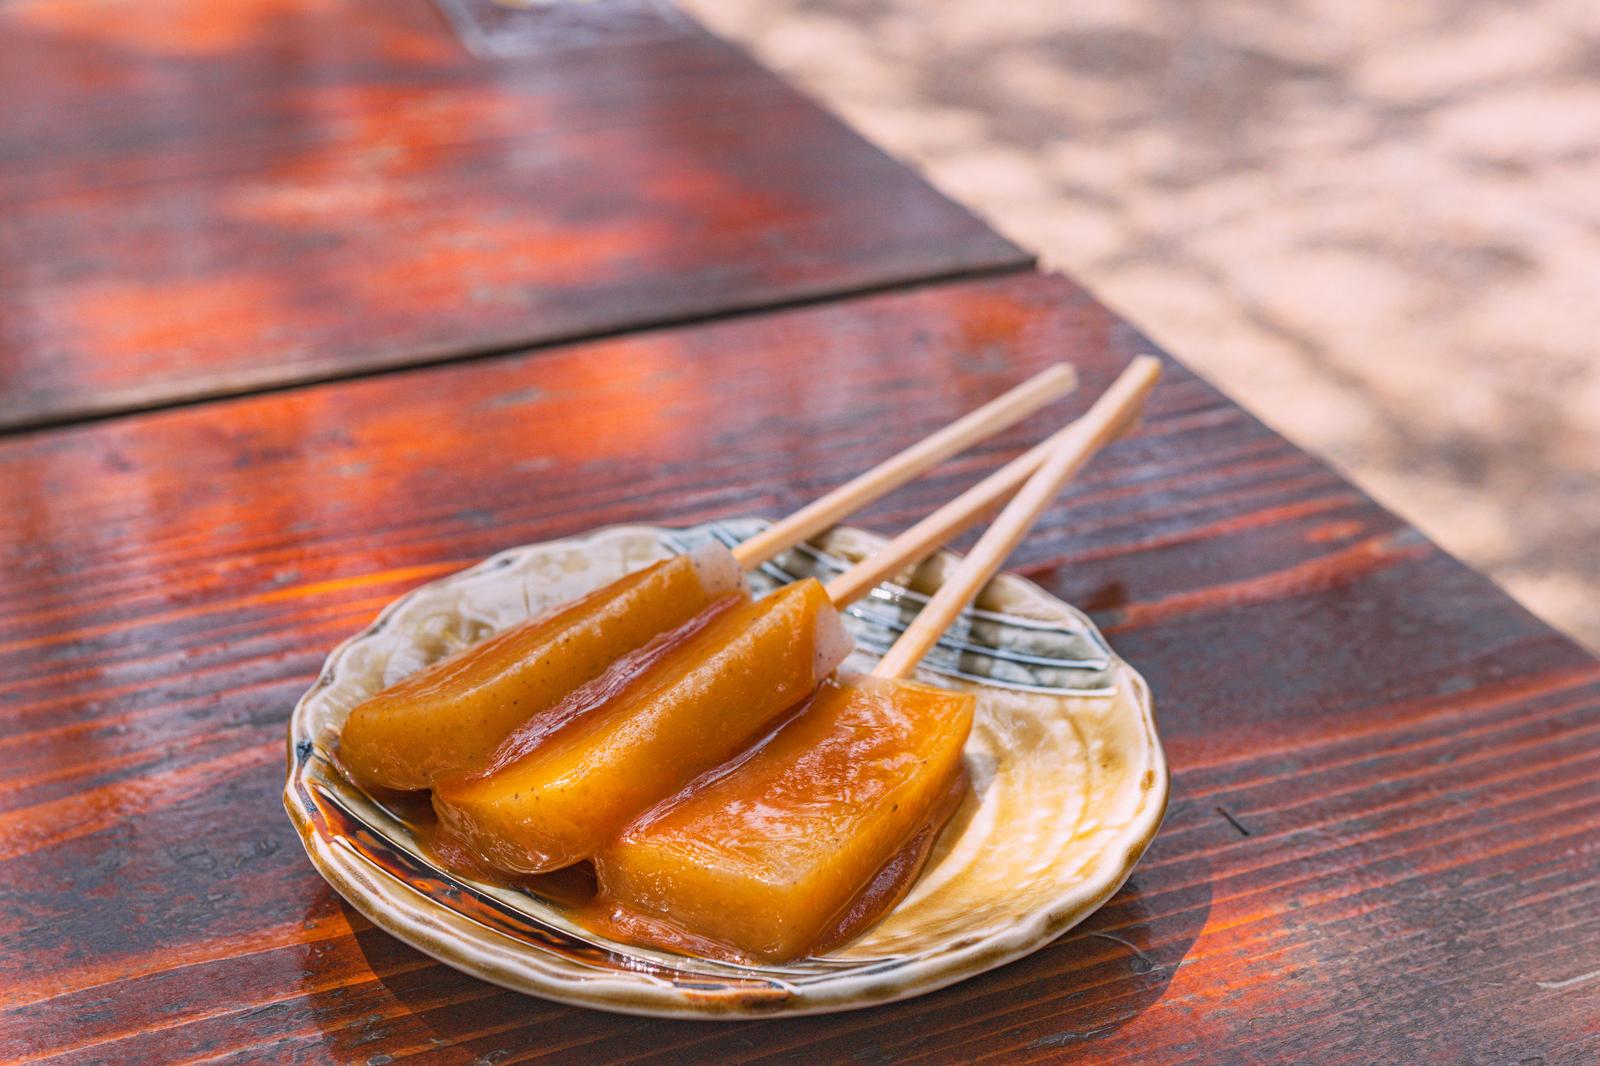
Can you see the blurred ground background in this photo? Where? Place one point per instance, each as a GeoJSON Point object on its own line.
{"type": "Point", "coordinates": [1376, 224]}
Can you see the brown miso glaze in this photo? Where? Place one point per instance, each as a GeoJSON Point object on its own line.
{"type": "Point", "coordinates": [891, 883]}
{"type": "Point", "coordinates": [698, 703]}
{"type": "Point", "coordinates": [576, 890]}
{"type": "Point", "coordinates": [449, 718]}
{"type": "Point", "coordinates": [451, 851]}
{"type": "Point", "coordinates": [803, 839]}
{"type": "Point", "coordinates": [877, 897]}
{"type": "Point", "coordinates": [572, 887]}
{"type": "Point", "coordinates": [855, 748]}
{"type": "Point", "coordinates": [595, 694]}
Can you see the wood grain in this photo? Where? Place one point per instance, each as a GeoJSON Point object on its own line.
{"type": "Point", "coordinates": [200, 199]}
{"type": "Point", "coordinates": [1386, 774]}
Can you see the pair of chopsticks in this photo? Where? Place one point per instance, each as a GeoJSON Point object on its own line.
{"type": "Point", "coordinates": [1031, 481]}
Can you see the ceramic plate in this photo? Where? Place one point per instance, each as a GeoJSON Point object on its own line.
{"type": "Point", "coordinates": [1069, 787]}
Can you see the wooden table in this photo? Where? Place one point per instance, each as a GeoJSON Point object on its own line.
{"type": "Point", "coordinates": [1382, 839]}
{"type": "Point", "coordinates": [210, 199]}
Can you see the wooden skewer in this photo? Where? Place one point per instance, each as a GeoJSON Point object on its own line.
{"type": "Point", "coordinates": [939, 528]}
{"type": "Point", "coordinates": [1068, 455]}
{"type": "Point", "coordinates": [991, 418]}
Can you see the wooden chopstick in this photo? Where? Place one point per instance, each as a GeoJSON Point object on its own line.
{"type": "Point", "coordinates": [991, 418]}
{"type": "Point", "coordinates": [939, 528]}
{"type": "Point", "coordinates": [1070, 451]}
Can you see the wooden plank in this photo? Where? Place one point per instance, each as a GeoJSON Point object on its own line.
{"type": "Point", "coordinates": [202, 199]}
{"type": "Point", "coordinates": [1387, 775]}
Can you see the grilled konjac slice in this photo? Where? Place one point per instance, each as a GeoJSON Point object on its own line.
{"type": "Point", "coordinates": [686, 711]}
{"type": "Point", "coordinates": [771, 856]}
{"type": "Point", "coordinates": [447, 719]}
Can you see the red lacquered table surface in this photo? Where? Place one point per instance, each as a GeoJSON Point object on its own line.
{"type": "Point", "coordinates": [1382, 844]}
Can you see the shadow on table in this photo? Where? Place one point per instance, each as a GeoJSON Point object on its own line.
{"type": "Point", "coordinates": [1097, 978]}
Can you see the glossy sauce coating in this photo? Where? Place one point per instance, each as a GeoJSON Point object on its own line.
{"type": "Point", "coordinates": [567, 792]}
{"type": "Point", "coordinates": [575, 888]}
{"type": "Point", "coordinates": [449, 718]}
{"type": "Point", "coordinates": [805, 839]}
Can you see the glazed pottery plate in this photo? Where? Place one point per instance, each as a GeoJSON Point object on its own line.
{"type": "Point", "coordinates": [1069, 787]}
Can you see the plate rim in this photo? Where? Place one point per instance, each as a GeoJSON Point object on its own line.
{"type": "Point", "coordinates": [664, 999]}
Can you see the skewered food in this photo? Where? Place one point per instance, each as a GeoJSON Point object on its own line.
{"type": "Point", "coordinates": [794, 844]}
{"type": "Point", "coordinates": [805, 839]}
{"type": "Point", "coordinates": [555, 795]}
{"type": "Point", "coordinates": [451, 716]}
{"type": "Point", "coordinates": [733, 800]}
